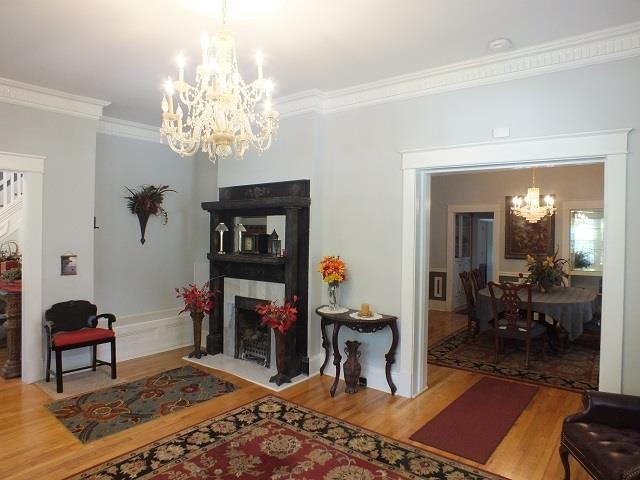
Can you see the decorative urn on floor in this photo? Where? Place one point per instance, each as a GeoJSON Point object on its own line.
{"type": "Point", "coordinates": [280, 318]}
{"type": "Point", "coordinates": [352, 367]}
{"type": "Point", "coordinates": [198, 302]}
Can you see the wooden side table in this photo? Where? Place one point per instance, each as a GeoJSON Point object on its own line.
{"type": "Point", "coordinates": [339, 320]}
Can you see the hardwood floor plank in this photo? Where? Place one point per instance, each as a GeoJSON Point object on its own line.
{"type": "Point", "coordinates": [36, 445]}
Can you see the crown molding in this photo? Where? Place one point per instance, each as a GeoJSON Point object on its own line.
{"type": "Point", "coordinates": [26, 95]}
{"type": "Point", "coordinates": [573, 52]}
{"type": "Point", "coordinates": [124, 128]}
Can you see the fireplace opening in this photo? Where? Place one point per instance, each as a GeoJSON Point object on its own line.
{"type": "Point", "coordinates": [253, 341]}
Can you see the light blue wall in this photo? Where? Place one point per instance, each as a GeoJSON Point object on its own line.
{"type": "Point", "coordinates": [353, 160]}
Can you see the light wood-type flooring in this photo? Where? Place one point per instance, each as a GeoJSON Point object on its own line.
{"type": "Point", "coordinates": [34, 445]}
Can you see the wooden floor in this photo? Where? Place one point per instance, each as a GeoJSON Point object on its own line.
{"type": "Point", "coordinates": [35, 445]}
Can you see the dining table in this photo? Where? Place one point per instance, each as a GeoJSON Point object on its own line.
{"type": "Point", "coordinates": [570, 307]}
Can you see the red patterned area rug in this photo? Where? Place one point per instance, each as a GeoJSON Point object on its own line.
{"type": "Point", "coordinates": [576, 369]}
{"type": "Point", "coordinates": [275, 439]}
{"type": "Point", "coordinates": [97, 414]}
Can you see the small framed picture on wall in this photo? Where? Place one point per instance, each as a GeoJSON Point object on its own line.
{"type": "Point", "coordinates": [69, 264]}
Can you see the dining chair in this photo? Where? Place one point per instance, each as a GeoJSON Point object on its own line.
{"type": "Point", "coordinates": [513, 317]}
{"type": "Point", "coordinates": [478, 281]}
{"type": "Point", "coordinates": [473, 324]}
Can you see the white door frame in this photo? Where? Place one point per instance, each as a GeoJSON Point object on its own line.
{"type": "Point", "coordinates": [31, 236]}
{"type": "Point", "coordinates": [609, 147]}
{"type": "Point", "coordinates": [451, 215]}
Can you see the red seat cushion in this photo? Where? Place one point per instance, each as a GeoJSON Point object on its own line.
{"type": "Point", "coordinates": [64, 339]}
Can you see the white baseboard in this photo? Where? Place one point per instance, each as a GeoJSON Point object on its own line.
{"type": "Point", "coordinates": [375, 375]}
{"type": "Point", "coordinates": [153, 332]}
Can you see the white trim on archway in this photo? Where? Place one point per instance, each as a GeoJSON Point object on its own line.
{"type": "Point", "coordinates": [609, 147]}
{"type": "Point", "coordinates": [33, 168]}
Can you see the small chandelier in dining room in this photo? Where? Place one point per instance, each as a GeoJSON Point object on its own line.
{"type": "Point", "coordinates": [221, 114]}
{"type": "Point", "coordinates": [529, 207]}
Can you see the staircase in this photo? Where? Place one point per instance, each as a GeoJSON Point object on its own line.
{"type": "Point", "coordinates": [11, 190]}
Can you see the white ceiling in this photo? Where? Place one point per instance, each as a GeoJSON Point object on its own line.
{"type": "Point", "coordinates": [120, 50]}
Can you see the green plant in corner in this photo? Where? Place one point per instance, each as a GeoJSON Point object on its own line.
{"type": "Point", "coordinates": [145, 201]}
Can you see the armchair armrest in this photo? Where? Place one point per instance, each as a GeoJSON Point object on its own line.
{"type": "Point", "coordinates": [613, 409]}
{"type": "Point", "coordinates": [111, 318]}
{"type": "Point", "coordinates": [48, 329]}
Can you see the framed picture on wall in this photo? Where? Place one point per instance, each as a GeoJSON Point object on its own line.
{"type": "Point", "coordinates": [68, 264]}
{"type": "Point", "coordinates": [522, 238]}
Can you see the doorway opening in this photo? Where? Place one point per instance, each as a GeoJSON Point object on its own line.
{"type": "Point", "coordinates": [29, 339]}
{"type": "Point", "coordinates": [608, 147]}
{"type": "Point", "coordinates": [483, 246]}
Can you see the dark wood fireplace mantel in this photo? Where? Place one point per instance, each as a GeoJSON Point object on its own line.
{"type": "Point", "coordinates": [291, 199]}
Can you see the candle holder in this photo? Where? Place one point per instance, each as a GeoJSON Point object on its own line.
{"type": "Point", "coordinates": [239, 230]}
{"type": "Point", "coordinates": [221, 228]}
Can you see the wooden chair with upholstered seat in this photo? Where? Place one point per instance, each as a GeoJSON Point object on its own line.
{"type": "Point", "coordinates": [515, 320]}
{"type": "Point", "coordinates": [473, 324]}
{"type": "Point", "coordinates": [74, 324]}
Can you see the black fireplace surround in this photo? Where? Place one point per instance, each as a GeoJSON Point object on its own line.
{"type": "Point", "coordinates": [291, 199]}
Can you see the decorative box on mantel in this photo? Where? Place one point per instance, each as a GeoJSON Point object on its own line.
{"type": "Point", "coordinates": [292, 200]}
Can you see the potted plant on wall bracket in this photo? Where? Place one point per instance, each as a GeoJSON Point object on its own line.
{"type": "Point", "coordinates": [280, 318]}
{"type": "Point", "coordinates": [145, 201]}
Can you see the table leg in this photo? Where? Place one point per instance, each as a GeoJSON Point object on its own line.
{"type": "Point", "coordinates": [390, 357]}
{"type": "Point", "coordinates": [325, 344]}
{"type": "Point", "coordinates": [337, 358]}
{"type": "Point", "coordinates": [552, 336]}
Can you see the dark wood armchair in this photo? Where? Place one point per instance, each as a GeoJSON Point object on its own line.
{"type": "Point", "coordinates": [605, 437]}
{"type": "Point", "coordinates": [512, 319]}
{"type": "Point", "coordinates": [74, 324]}
{"type": "Point", "coordinates": [473, 324]}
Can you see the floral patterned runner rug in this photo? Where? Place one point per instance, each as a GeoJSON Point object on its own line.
{"type": "Point", "coordinates": [97, 414]}
{"type": "Point", "coordinates": [275, 439]}
{"type": "Point", "coordinates": [576, 369]}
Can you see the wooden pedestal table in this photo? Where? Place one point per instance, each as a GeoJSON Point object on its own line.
{"type": "Point", "coordinates": [339, 320]}
{"type": "Point", "coordinates": [11, 294]}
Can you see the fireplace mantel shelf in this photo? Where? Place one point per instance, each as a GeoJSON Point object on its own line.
{"type": "Point", "coordinates": [248, 258]}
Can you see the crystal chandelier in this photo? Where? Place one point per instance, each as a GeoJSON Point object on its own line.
{"type": "Point", "coordinates": [221, 114]}
{"type": "Point", "coordinates": [529, 208]}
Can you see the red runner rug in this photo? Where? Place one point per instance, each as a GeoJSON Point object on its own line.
{"type": "Point", "coordinates": [476, 422]}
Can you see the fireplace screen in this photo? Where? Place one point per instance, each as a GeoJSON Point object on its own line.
{"type": "Point", "coordinates": [253, 341]}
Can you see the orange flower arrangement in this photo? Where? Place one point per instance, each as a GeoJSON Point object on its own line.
{"type": "Point", "coordinates": [332, 269]}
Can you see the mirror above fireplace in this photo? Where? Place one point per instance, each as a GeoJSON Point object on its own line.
{"type": "Point", "coordinates": [256, 236]}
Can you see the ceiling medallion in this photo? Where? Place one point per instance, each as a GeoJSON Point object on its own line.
{"type": "Point", "coordinates": [221, 115]}
{"type": "Point", "coordinates": [529, 207]}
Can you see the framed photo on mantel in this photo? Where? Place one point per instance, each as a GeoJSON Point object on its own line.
{"type": "Point", "coordinates": [522, 238]}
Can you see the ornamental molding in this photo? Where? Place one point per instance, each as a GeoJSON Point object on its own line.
{"type": "Point", "coordinates": [573, 52]}
{"type": "Point", "coordinates": [41, 98]}
{"type": "Point", "coordinates": [583, 50]}
{"type": "Point", "coordinates": [124, 128]}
